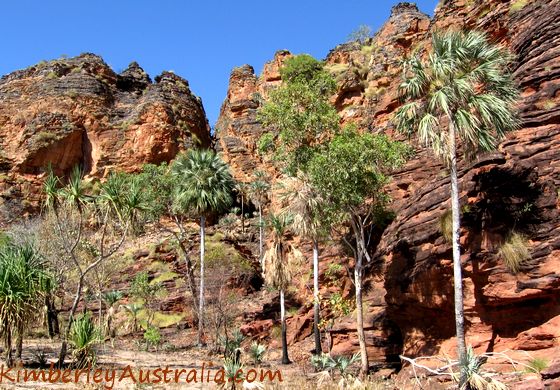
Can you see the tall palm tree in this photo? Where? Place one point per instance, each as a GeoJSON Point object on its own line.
{"type": "Point", "coordinates": [278, 260]}
{"type": "Point", "coordinates": [259, 189]}
{"type": "Point", "coordinates": [462, 90]}
{"type": "Point", "coordinates": [23, 281]}
{"type": "Point", "coordinates": [304, 203]}
{"type": "Point", "coordinates": [205, 186]}
{"type": "Point", "coordinates": [242, 190]}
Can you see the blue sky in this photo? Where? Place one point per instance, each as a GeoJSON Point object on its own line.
{"type": "Point", "coordinates": [199, 40]}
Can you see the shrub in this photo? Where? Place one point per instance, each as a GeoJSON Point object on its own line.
{"type": "Point", "coordinates": [84, 335]}
{"type": "Point", "coordinates": [474, 377]}
{"type": "Point", "coordinates": [231, 344]}
{"type": "Point", "coordinates": [518, 5]}
{"type": "Point", "coordinates": [515, 251]}
{"type": "Point", "coordinates": [257, 351]}
{"type": "Point", "coordinates": [339, 305]}
{"type": "Point", "coordinates": [152, 337]}
{"type": "Point", "coordinates": [45, 137]}
{"type": "Point", "coordinates": [265, 143]}
{"type": "Point", "coordinates": [323, 362]}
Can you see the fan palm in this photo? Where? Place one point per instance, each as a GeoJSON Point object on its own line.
{"type": "Point", "coordinates": [304, 204]}
{"type": "Point", "coordinates": [461, 90]}
{"type": "Point", "coordinates": [23, 281]}
{"type": "Point", "coordinates": [205, 185]}
{"type": "Point", "coordinates": [259, 189]}
{"type": "Point", "coordinates": [279, 259]}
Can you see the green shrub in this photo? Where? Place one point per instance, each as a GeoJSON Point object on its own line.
{"type": "Point", "coordinates": [84, 335]}
{"type": "Point", "coordinates": [265, 144]}
{"type": "Point", "coordinates": [52, 76]}
{"type": "Point", "coordinates": [339, 305]}
{"type": "Point", "coordinates": [257, 351]}
{"type": "Point", "coordinates": [45, 137]}
{"type": "Point", "coordinates": [514, 252]}
{"type": "Point", "coordinates": [230, 344]}
{"type": "Point", "coordinates": [152, 337]}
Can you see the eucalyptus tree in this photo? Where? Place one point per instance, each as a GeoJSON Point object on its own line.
{"type": "Point", "coordinates": [304, 203]}
{"type": "Point", "coordinates": [258, 190]}
{"type": "Point", "coordinates": [279, 260]}
{"type": "Point", "coordinates": [24, 282]}
{"type": "Point", "coordinates": [349, 176]}
{"type": "Point", "coordinates": [462, 91]}
{"type": "Point", "coordinates": [86, 245]}
{"type": "Point", "coordinates": [204, 185]}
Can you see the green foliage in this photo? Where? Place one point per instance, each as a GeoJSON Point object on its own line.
{"type": "Point", "coordinates": [112, 297]}
{"type": "Point", "coordinates": [515, 251]}
{"type": "Point", "coordinates": [204, 182]}
{"type": "Point", "coordinates": [323, 362]}
{"type": "Point", "coordinates": [473, 377]}
{"type": "Point", "coordinates": [259, 188]}
{"type": "Point", "coordinates": [45, 137]}
{"type": "Point", "coordinates": [334, 272]}
{"type": "Point", "coordinates": [140, 287]}
{"type": "Point", "coordinates": [233, 370]}
{"type": "Point", "coordinates": [339, 305]}
{"type": "Point", "coordinates": [257, 351]}
{"type": "Point", "coordinates": [299, 112]}
{"type": "Point", "coordinates": [152, 337]}
{"type": "Point", "coordinates": [464, 79]}
{"type": "Point", "coordinates": [24, 280]}
{"type": "Point", "coordinates": [360, 34]}
{"type": "Point", "coordinates": [351, 169]}
{"type": "Point", "coordinates": [536, 365]}
{"type": "Point", "coordinates": [231, 344]}
{"type": "Point", "coordinates": [84, 335]}
{"type": "Point", "coordinates": [265, 144]}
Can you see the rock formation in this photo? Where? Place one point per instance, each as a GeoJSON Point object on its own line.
{"type": "Point", "coordinates": [78, 111]}
{"type": "Point", "coordinates": [515, 189]}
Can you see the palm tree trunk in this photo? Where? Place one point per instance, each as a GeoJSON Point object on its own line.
{"type": "Point", "coordinates": [358, 273]}
{"type": "Point", "coordinates": [316, 308]}
{"type": "Point", "coordinates": [457, 271]}
{"type": "Point", "coordinates": [201, 292]}
{"type": "Point", "coordinates": [261, 239]}
{"type": "Point", "coordinates": [285, 359]}
{"type": "Point", "coordinates": [19, 342]}
{"type": "Point", "coordinates": [8, 357]}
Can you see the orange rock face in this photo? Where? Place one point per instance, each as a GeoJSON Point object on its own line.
{"type": "Point", "coordinates": [410, 299]}
{"type": "Point", "coordinates": [78, 111]}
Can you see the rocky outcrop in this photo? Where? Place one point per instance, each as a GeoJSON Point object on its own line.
{"type": "Point", "coordinates": [78, 111]}
{"type": "Point", "coordinates": [409, 302]}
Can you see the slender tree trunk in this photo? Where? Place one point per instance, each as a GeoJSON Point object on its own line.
{"type": "Point", "coordinates": [19, 342]}
{"type": "Point", "coordinates": [52, 317]}
{"type": "Point", "coordinates": [64, 345]}
{"type": "Point", "coordinates": [457, 270]}
{"type": "Point", "coordinates": [358, 275]}
{"type": "Point", "coordinates": [242, 216]}
{"type": "Point", "coordinates": [285, 359]}
{"type": "Point", "coordinates": [201, 292]}
{"type": "Point", "coordinates": [316, 307]}
{"type": "Point", "coordinates": [261, 239]}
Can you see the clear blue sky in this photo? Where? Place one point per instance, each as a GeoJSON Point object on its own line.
{"type": "Point", "coordinates": [200, 40]}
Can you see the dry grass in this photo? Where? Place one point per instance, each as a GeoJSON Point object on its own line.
{"type": "Point", "coordinates": [515, 251]}
{"type": "Point", "coordinates": [517, 5]}
{"type": "Point", "coordinates": [446, 225]}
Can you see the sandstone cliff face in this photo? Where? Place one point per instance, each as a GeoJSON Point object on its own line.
{"type": "Point", "coordinates": [409, 304]}
{"type": "Point", "coordinates": [78, 111]}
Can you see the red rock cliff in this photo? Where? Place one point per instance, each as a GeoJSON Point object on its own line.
{"type": "Point", "coordinates": [409, 304]}
{"type": "Point", "coordinates": [79, 111]}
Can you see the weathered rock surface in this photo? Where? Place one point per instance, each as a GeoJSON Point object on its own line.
{"type": "Point", "coordinates": [410, 298]}
{"type": "Point", "coordinates": [78, 111]}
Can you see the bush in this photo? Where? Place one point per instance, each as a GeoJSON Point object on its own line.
{"type": "Point", "coordinates": [265, 143]}
{"type": "Point", "coordinates": [257, 351]}
{"type": "Point", "coordinates": [446, 225]}
{"type": "Point", "coordinates": [360, 34]}
{"type": "Point", "coordinates": [84, 335]}
{"type": "Point", "coordinates": [152, 337]}
{"type": "Point", "coordinates": [231, 344]}
{"type": "Point", "coordinates": [515, 251]}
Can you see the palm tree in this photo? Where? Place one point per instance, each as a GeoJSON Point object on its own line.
{"type": "Point", "coordinates": [259, 189]}
{"type": "Point", "coordinates": [23, 280]}
{"type": "Point", "coordinates": [304, 203]}
{"type": "Point", "coordinates": [278, 261]}
{"type": "Point", "coordinates": [242, 190]}
{"type": "Point", "coordinates": [205, 186]}
{"type": "Point", "coordinates": [462, 90]}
